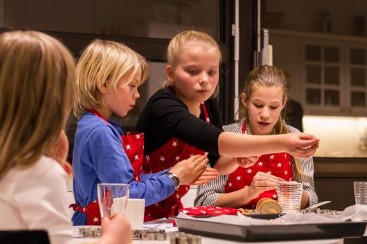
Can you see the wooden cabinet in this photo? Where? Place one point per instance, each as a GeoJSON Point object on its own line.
{"type": "Point", "coordinates": [327, 74]}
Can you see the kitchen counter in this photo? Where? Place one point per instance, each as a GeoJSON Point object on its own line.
{"type": "Point", "coordinates": [334, 179]}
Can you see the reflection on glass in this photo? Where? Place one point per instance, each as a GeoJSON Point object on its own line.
{"type": "Point", "coordinates": [332, 75]}
{"type": "Point", "coordinates": [313, 96]}
{"type": "Point", "coordinates": [357, 56]}
{"type": "Point", "coordinates": [331, 97]}
{"type": "Point", "coordinates": [331, 54]}
{"type": "Point", "coordinates": [358, 99]}
{"type": "Point", "coordinates": [143, 18]}
{"type": "Point", "coordinates": [313, 74]}
{"type": "Point", "coordinates": [357, 77]}
{"type": "Point", "coordinates": [313, 53]}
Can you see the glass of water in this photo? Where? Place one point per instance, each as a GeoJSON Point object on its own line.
{"type": "Point", "coordinates": [289, 195]}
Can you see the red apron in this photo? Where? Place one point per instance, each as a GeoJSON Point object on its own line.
{"type": "Point", "coordinates": [133, 145]}
{"type": "Point", "coordinates": [278, 164]}
{"type": "Point", "coordinates": [163, 158]}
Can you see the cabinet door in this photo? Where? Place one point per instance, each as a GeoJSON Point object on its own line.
{"type": "Point", "coordinates": [323, 76]}
{"type": "Point", "coordinates": [356, 89]}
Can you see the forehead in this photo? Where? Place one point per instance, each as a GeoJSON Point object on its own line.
{"type": "Point", "coordinates": [267, 92]}
{"type": "Point", "coordinates": [201, 51]}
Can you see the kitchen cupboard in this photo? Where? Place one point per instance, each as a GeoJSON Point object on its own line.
{"type": "Point", "coordinates": [334, 179]}
{"type": "Point", "coordinates": [327, 73]}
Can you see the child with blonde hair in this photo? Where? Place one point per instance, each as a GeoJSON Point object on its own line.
{"type": "Point", "coordinates": [108, 76]}
{"type": "Point", "coordinates": [260, 113]}
{"type": "Point", "coordinates": [36, 94]}
{"type": "Point", "coordinates": [184, 117]}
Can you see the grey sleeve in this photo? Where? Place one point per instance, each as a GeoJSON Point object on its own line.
{"type": "Point", "coordinates": [208, 194]}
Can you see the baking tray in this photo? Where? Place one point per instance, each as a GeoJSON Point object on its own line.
{"type": "Point", "coordinates": [257, 233]}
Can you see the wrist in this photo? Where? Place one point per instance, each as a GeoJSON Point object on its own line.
{"type": "Point", "coordinates": [175, 180]}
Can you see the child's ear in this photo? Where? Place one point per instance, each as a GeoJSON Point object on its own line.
{"type": "Point", "coordinates": [169, 72]}
{"type": "Point", "coordinates": [243, 99]}
{"type": "Point", "coordinates": [103, 88]}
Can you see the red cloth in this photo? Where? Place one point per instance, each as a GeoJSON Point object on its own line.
{"type": "Point", "coordinates": [202, 211]}
{"type": "Point", "coordinates": [133, 144]}
{"type": "Point", "coordinates": [92, 212]}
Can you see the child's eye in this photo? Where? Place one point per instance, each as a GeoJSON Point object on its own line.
{"type": "Point", "coordinates": [193, 72]}
{"type": "Point", "coordinates": [212, 73]}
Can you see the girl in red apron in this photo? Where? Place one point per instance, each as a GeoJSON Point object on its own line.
{"type": "Point", "coordinates": [262, 101]}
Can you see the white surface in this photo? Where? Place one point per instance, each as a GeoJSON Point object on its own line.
{"type": "Point", "coordinates": [188, 199]}
{"type": "Point", "coordinates": [135, 213]}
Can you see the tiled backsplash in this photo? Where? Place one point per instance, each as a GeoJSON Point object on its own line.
{"type": "Point", "coordinates": [339, 136]}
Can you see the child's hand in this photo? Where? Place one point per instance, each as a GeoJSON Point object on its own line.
{"type": "Point", "coordinates": [116, 230]}
{"type": "Point", "coordinates": [247, 162]}
{"type": "Point", "coordinates": [208, 175]}
{"type": "Point", "coordinates": [301, 145]}
{"type": "Point", "coordinates": [190, 169]}
{"type": "Point", "coordinates": [59, 152]}
{"type": "Point", "coordinates": [262, 182]}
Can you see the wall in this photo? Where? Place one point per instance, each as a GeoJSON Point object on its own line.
{"type": "Point", "coordinates": [339, 136]}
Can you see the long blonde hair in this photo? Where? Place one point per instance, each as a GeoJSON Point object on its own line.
{"type": "Point", "coordinates": [104, 62]}
{"type": "Point", "coordinates": [37, 78]}
{"type": "Point", "coordinates": [268, 76]}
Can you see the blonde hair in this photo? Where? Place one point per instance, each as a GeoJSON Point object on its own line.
{"type": "Point", "coordinates": [268, 76]}
{"type": "Point", "coordinates": [182, 39]}
{"type": "Point", "coordinates": [104, 62]}
{"type": "Point", "coordinates": [37, 78]}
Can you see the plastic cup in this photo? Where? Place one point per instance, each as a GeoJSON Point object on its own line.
{"type": "Point", "coordinates": [289, 195]}
{"type": "Point", "coordinates": [112, 198]}
{"type": "Point", "coordinates": [360, 192]}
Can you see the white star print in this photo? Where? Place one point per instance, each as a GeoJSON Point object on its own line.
{"type": "Point", "coordinates": [285, 172]}
{"type": "Point", "coordinates": [271, 157]}
{"type": "Point", "coordinates": [128, 147]}
{"type": "Point", "coordinates": [138, 136]}
{"type": "Point", "coordinates": [174, 143]}
{"type": "Point", "coordinates": [279, 165]}
{"type": "Point", "coordinates": [177, 196]}
{"type": "Point", "coordinates": [147, 158]}
{"type": "Point", "coordinates": [136, 157]}
{"type": "Point", "coordinates": [260, 164]}
{"type": "Point", "coordinates": [230, 184]}
{"type": "Point", "coordinates": [238, 177]}
{"type": "Point", "coordinates": [136, 178]}
{"type": "Point", "coordinates": [95, 219]}
{"type": "Point", "coordinates": [269, 172]}
{"type": "Point", "coordinates": [249, 171]}
{"type": "Point", "coordinates": [275, 196]}
{"type": "Point", "coordinates": [285, 155]}
{"type": "Point", "coordinates": [177, 158]}
{"type": "Point", "coordinates": [162, 159]}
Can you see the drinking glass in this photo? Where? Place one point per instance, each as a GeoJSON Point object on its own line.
{"type": "Point", "coordinates": [360, 192]}
{"type": "Point", "coordinates": [289, 195]}
{"type": "Point", "coordinates": [112, 198]}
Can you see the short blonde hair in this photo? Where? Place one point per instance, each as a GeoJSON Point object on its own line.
{"type": "Point", "coordinates": [181, 40]}
{"type": "Point", "coordinates": [104, 62]}
{"type": "Point", "coordinates": [37, 79]}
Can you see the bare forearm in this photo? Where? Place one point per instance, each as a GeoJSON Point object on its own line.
{"type": "Point", "coordinates": [225, 165]}
{"type": "Point", "coordinates": [240, 145]}
{"type": "Point", "coordinates": [234, 199]}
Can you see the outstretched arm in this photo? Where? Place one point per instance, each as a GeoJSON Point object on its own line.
{"type": "Point", "coordinates": [242, 145]}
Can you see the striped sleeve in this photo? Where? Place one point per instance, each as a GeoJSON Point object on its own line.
{"type": "Point", "coordinates": [208, 194]}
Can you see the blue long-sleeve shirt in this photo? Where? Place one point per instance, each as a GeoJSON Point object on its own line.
{"type": "Point", "coordinates": [98, 156]}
